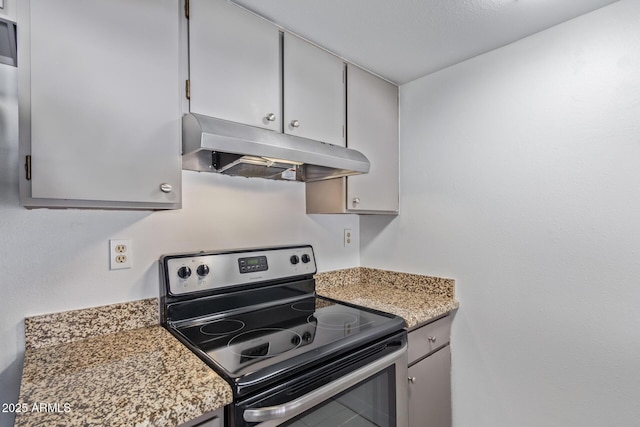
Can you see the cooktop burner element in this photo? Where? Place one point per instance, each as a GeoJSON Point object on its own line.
{"type": "Point", "coordinates": [304, 306]}
{"type": "Point", "coordinates": [222, 327]}
{"type": "Point", "coordinates": [335, 320]}
{"type": "Point", "coordinates": [256, 325]}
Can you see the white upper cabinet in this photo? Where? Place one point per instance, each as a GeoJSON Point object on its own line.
{"type": "Point", "coordinates": [8, 9]}
{"type": "Point", "coordinates": [372, 112]}
{"type": "Point", "coordinates": [100, 103]}
{"type": "Point", "coordinates": [234, 65]}
{"type": "Point", "coordinates": [314, 92]}
{"type": "Point", "coordinates": [247, 70]}
{"type": "Point", "coordinates": [372, 129]}
{"type": "Point", "coordinates": [242, 68]}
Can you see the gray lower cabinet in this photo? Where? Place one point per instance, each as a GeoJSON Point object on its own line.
{"type": "Point", "coordinates": [430, 375]}
{"type": "Point", "coordinates": [430, 392]}
{"type": "Point", "coordinates": [99, 103]}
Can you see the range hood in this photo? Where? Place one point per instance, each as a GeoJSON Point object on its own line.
{"type": "Point", "coordinates": [215, 145]}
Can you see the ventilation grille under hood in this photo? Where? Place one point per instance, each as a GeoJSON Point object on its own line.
{"type": "Point", "coordinates": [215, 145]}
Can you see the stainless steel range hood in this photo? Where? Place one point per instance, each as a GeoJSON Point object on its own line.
{"type": "Point", "coordinates": [215, 145]}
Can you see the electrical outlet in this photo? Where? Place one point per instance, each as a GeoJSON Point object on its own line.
{"type": "Point", "coordinates": [348, 238]}
{"type": "Point", "coordinates": [120, 254]}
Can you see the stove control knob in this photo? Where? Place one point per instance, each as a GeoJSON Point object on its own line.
{"type": "Point", "coordinates": [295, 340]}
{"type": "Point", "coordinates": [202, 270]}
{"type": "Point", "coordinates": [184, 272]}
{"type": "Point", "coordinates": [306, 337]}
{"type": "Point", "coordinates": [294, 259]}
{"type": "Point", "coordinates": [306, 258]}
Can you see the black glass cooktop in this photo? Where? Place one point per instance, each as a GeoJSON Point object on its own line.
{"type": "Point", "coordinates": [253, 315]}
{"type": "Point", "coordinates": [284, 336]}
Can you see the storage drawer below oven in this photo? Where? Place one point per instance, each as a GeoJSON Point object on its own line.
{"type": "Point", "coordinates": [429, 338]}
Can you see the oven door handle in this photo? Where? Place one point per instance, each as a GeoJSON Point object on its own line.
{"type": "Point", "coordinates": [308, 401]}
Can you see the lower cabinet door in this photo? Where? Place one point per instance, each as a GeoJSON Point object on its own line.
{"type": "Point", "coordinates": [430, 391]}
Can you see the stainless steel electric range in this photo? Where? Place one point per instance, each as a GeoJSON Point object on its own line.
{"type": "Point", "coordinates": [291, 357]}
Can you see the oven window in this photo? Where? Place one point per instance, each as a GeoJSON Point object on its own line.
{"type": "Point", "coordinates": [368, 404]}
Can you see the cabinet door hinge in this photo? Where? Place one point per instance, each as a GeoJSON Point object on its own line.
{"type": "Point", "coordinates": [186, 9]}
{"type": "Point", "coordinates": [188, 89]}
{"type": "Point", "coordinates": [27, 167]}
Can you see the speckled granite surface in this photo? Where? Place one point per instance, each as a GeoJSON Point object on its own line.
{"type": "Point", "coordinates": [70, 326]}
{"type": "Point", "coordinates": [116, 366]}
{"type": "Point", "coordinates": [416, 298]}
{"type": "Point", "coordinates": [142, 376]}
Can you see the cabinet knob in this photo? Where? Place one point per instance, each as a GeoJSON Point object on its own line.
{"type": "Point", "coordinates": [166, 188]}
{"type": "Point", "coordinates": [355, 201]}
{"type": "Point", "coordinates": [432, 339]}
{"type": "Point", "coordinates": [295, 123]}
{"type": "Point", "coordinates": [271, 117]}
{"type": "Point", "coordinates": [412, 380]}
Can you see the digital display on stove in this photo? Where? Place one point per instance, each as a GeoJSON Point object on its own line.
{"type": "Point", "coordinates": [252, 264]}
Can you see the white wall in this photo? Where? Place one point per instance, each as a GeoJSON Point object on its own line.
{"type": "Point", "coordinates": [55, 260]}
{"type": "Point", "coordinates": [520, 178]}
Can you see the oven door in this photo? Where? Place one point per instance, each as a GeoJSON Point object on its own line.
{"type": "Point", "coordinates": [374, 394]}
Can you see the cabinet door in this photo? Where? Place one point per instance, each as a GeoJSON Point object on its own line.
{"type": "Point", "coordinates": [314, 92]}
{"type": "Point", "coordinates": [234, 64]}
{"type": "Point", "coordinates": [101, 100]}
{"type": "Point", "coordinates": [428, 338]}
{"type": "Point", "coordinates": [372, 112]}
{"type": "Point", "coordinates": [8, 9]}
{"type": "Point", "coordinates": [430, 392]}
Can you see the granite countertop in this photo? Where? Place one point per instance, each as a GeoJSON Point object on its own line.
{"type": "Point", "coordinates": [416, 298]}
{"type": "Point", "coordinates": [113, 365]}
